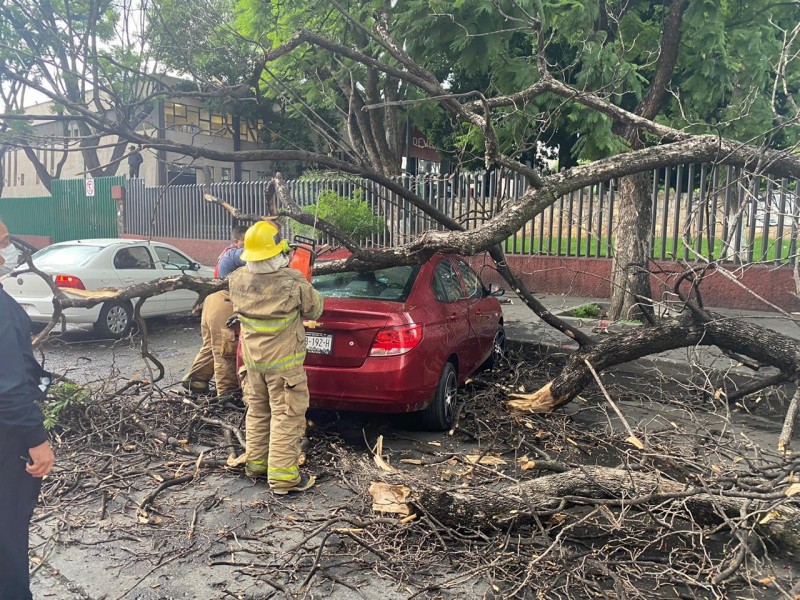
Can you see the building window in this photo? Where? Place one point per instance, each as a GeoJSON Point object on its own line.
{"type": "Point", "coordinates": [193, 119]}
{"type": "Point", "coordinates": [245, 175]}
{"type": "Point", "coordinates": [180, 175]}
{"type": "Point", "coordinates": [226, 174]}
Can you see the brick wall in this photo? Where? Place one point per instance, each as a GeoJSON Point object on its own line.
{"type": "Point", "coordinates": [37, 241]}
{"type": "Point", "coordinates": [589, 277]}
{"type": "Point", "coordinates": [205, 252]}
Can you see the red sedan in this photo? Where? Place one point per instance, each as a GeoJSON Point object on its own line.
{"type": "Point", "coordinates": [402, 339]}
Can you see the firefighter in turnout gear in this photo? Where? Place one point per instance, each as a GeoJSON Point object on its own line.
{"type": "Point", "coordinates": [271, 300]}
{"type": "Point", "coordinates": [217, 355]}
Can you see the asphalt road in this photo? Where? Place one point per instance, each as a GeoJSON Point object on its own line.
{"type": "Point", "coordinates": [84, 358]}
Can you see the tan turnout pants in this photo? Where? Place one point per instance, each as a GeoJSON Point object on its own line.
{"type": "Point", "coordinates": [276, 422]}
{"type": "Point", "coordinates": [217, 355]}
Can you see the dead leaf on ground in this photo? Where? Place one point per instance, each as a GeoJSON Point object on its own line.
{"type": "Point", "coordinates": [526, 464]}
{"type": "Point", "coordinates": [389, 498]}
{"type": "Point", "coordinates": [411, 461]}
{"type": "Point", "coordinates": [793, 489]}
{"type": "Point", "coordinates": [486, 460]}
{"type": "Point", "coordinates": [634, 441]}
{"type": "Point", "coordinates": [771, 515]}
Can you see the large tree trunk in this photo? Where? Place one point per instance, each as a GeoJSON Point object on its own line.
{"type": "Point", "coordinates": [630, 277]}
{"type": "Point", "coordinates": [519, 503]}
{"type": "Point", "coordinates": [763, 345]}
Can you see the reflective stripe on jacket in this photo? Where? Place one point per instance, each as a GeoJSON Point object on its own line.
{"type": "Point", "coordinates": [270, 307]}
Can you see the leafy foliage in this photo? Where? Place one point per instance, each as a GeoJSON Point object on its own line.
{"type": "Point", "coordinates": [723, 82]}
{"type": "Point", "coordinates": [587, 311]}
{"type": "Point", "coordinates": [62, 399]}
{"type": "Point", "coordinates": [353, 216]}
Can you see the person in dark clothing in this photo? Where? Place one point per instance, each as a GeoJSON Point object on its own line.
{"type": "Point", "coordinates": [135, 161]}
{"type": "Point", "coordinates": [231, 257]}
{"type": "Point", "coordinates": [25, 454]}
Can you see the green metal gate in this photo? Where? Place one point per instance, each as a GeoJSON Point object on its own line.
{"type": "Point", "coordinates": [69, 214]}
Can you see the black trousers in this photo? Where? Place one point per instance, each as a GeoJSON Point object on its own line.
{"type": "Point", "coordinates": [18, 494]}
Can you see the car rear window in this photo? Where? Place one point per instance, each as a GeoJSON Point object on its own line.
{"type": "Point", "coordinates": [73, 255]}
{"type": "Point", "coordinates": [392, 284]}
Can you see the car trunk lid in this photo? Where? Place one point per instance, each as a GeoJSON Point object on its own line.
{"type": "Point", "coordinates": [26, 285]}
{"type": "Point", "coordinates": [345, 331]}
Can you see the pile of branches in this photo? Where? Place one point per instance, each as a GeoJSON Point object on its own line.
{"type": "Point", "coordinates": [581, 504]}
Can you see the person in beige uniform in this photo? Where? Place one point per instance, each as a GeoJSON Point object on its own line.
{"type": "Point", "coordinates": [271, 300]}
{"type": "Point", "coordinates": [217, 355]}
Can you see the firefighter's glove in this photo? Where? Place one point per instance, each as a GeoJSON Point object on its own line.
{"type": "Point", "coordinates": [233, 321]}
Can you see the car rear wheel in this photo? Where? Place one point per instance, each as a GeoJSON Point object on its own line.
{"type": "Point", "coordinates": [499, 349]}
{"type": "Point", "coordinates": [441, 412]}
{"type": "Point", "coordinates": [115, 320]}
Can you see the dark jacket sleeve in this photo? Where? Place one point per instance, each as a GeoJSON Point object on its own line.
{"type": "Point", "coordinates": [20, 416]}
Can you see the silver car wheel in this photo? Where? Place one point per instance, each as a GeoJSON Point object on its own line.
{"type": "Point", "coordinates": [117, 320]}
{"type": "Point", "coordinates": [450, 395]}
{"type": "Point", "coordinates": [499, 347]}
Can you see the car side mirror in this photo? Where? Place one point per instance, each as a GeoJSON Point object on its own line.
{"type": "Point", "coordinates": [495, 290]}
{"type": "Point", "coordinates": [196, 266]}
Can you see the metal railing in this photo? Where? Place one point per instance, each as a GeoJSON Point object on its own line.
{"type": "Point", "coordinates": [717, 212]}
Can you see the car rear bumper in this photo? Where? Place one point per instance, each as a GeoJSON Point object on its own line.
{"type": "Point", "coordinates": [40, 311]}
{"type": "Point", "coordinates": [386, 384]}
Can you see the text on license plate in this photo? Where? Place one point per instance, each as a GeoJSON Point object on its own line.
{"type": "Point", "coordinates": [319, 343]}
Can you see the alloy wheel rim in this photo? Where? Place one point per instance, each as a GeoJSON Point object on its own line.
{"type": "Point", "coordinates": [498, 348]}
{"type": "Point", "coordinates": [450, 390]}
{"type": "Point", "coordinates": [117, 319]}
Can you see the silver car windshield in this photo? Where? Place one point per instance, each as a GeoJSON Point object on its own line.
{"type": "Point", "coordinates": [72, 255]}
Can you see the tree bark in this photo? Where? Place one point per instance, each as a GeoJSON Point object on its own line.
{"type": "Point", "coordinates": [519, 503]}
{"type": "Point", "coordinates": [630, 277]}
{"type": "Point", "coordinates": [764, 345]}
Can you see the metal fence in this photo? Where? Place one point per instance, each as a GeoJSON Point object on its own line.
{"type": "Point", "coordinates": [68, 213]}
{"type": "Point", "coordinates": [705, 210]}
{"type": "Point", "coordinates": [179, 211]}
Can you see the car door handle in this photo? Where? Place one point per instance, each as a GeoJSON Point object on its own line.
{"type": "Point", "coordinates": [128, 280]}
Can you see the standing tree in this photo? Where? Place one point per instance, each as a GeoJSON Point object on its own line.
{"type": "Point", "coordinates": [45, 47]}
{"type": "Point", "coordinates": [701, 67]}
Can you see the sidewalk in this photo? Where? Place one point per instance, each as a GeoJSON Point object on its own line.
{"type": "Point", "coordinates": [524, 328]}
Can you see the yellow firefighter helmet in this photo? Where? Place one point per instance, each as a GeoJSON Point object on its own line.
{"type": "Point", "coordinates": [260, 242]}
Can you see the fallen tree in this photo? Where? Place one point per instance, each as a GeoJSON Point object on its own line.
{"type": "Point", "coordinates": [657, 145]}
{"type": "Point", "coordinates": [545, 497]}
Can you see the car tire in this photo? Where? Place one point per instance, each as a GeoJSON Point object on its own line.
{"type": "Point", "coordinates": [115, 320]}
{"type": "Point", "coordinates": [441, 412]}
{"type": "Point", "coordinates": [499, 349]}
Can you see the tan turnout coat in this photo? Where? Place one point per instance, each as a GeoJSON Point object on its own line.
{"type": "Point", "coordinates": [271, 309]}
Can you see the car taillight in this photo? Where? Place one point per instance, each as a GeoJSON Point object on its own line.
{"type": "Point", "coordinates": [69, 281]}
{"type": "Point", "coordinates": [396, 340]}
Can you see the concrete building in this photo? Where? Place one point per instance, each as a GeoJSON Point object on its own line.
{"type": "Point", "coordinates": [184, 121]}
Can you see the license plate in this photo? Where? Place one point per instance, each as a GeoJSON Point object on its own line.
{"type": "Point", "coordinates": [319, 343]}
